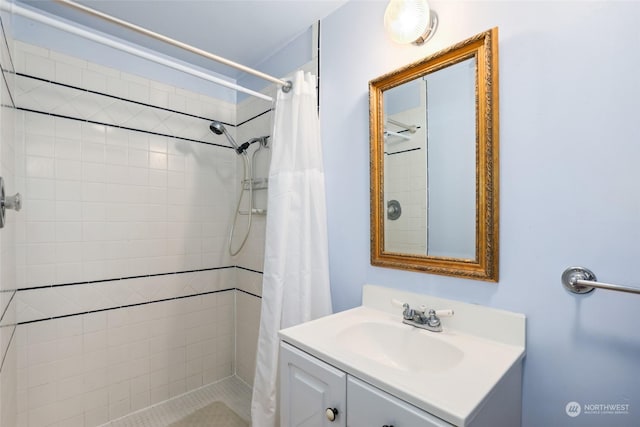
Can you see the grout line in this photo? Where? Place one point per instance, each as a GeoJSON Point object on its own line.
{"type": "Point", "coordinates": [6, 83]}
{"type": "Point", "coordinates": [4, 37]}
{"type": "Point", "coordinates": [7, 306]}
{"type": "Point", "coordinates": [4, 356]}
{"type": "Point", "coordinates": [235, 332]}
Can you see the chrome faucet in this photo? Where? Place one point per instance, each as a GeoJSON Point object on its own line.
{"type": "Point", "coordinates": [423, 318]}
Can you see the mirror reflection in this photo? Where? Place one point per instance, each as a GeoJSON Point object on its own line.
{"type": "Point", "coordinates": [434, 163]}
{"type": "Point", "coordinates": [429, 163]}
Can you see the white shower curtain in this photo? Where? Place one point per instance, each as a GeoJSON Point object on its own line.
{"type": "Point", "coordinates": [295, 284]}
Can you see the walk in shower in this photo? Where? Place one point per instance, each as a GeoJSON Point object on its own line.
{"type": "Point", "coordinates": [128, 293]}
{"type": "Point", "coordinates": [121, 293]}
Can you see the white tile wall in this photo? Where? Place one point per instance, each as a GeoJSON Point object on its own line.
{"type": "Point", "coordinates": [114, 194]}
{"type": "Point", "coordinates": [249, 281]}
{"type": "Point", "coordinates": [116, 190]}
{"type": "Point", "coordinates": [120, 202]}
{"type": "Point", "coordinates": [247, 328]}
{"type": "Point", "coordinates": [407, 183]}
{"type": "Point", "coordinates": [49, 302]}
{"type": "Point", "coordinates": [8, 122]}
{"type": "Point", "coordinates": [88, 369]}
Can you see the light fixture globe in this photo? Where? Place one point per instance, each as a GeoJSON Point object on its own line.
{"type": "Point", "coordinates": [409, 21]}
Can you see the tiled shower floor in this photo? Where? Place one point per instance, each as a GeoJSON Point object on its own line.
{"type": "Point", "coordinates": [232, 391]}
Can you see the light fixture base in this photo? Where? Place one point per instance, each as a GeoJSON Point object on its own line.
{"type": "Point", "coordinates": [431, 30]}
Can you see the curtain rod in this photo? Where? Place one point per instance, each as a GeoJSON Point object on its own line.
{"type": "Point", "coordinates": [286, 85]}
{"type": "Point", "coordinates": [61, 25]}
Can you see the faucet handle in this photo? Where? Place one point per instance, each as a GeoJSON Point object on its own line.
{"type": "Point", "coordinates": [397, 302]}
{"type": "Point", "coordinates": [444, 313]}
{"type": "Point", "coordinates": [433, 318]}
{"type": "Point", "coordinates": [407, 312]}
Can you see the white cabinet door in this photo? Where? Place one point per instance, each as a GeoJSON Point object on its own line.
{"type": "Point", "coordinates": [308, 387]}
{"type": "Point", "coordinates": [371, 407]}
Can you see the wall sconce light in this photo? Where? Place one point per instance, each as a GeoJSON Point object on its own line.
{"type": "Point", "coordinates": [410, 21]}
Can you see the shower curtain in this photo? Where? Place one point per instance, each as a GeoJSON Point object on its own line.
{"type": "Point", "coordinates": [295, 284]}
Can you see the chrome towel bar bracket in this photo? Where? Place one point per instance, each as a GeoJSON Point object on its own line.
{"type": "Point", "coordinates": [580, 280]}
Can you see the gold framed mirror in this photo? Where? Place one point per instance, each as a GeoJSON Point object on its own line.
{"type": "Point", "coordinates": [434, 162]}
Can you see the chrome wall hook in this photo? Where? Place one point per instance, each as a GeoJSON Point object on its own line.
{"type": "Point", "coordinates": [8, 202]}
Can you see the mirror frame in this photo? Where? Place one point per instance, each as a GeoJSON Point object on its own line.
{"type": "Point", "coordinates": [484, 47]}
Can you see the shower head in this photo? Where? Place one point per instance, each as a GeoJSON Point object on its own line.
{"type": "Point", "coordinates": [219, 129]}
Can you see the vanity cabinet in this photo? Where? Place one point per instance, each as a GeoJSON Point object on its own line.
{"type": "Point", "coordinates": [308, 387]}
{"type": "Point", "coordinates": [371, 407]}
{"type": "Point", "coordinates": [312, 390]}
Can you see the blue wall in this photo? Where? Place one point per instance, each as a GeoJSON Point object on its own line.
{"type": "Point", "coordinates": [569, 177]}
{"type": "Point", "coordinates": [280, 63]}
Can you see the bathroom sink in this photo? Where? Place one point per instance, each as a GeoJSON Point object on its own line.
{"type": "Point", "coordinates": [448, 374]}
{"type": "Point", "coordinates": [399, 346]}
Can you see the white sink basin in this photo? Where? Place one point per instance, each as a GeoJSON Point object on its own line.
{"type": "Point", "coordinates": [400, 346]}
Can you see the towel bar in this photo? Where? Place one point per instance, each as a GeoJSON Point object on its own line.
{"type": "Point", "coordinates": [580, 280]}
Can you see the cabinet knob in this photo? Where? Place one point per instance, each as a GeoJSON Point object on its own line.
{"type": "Point", "coordinates": [331, 413]}
{"type": "Point", "coordinates": [386, 426]}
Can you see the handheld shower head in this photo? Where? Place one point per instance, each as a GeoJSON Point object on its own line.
{"type": "Point", "coordinates": [219, 129]}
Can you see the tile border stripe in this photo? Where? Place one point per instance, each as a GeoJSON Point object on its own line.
{"type": "Point", "coordinates": [44, 319]}
{"type": "Point", "coordinates": [116, 279]}
{"type": "Point", "coordinates": [93, 122]}
{"type": "Point", "coordinates": [403, 151]}
{"type": "Point", "coordinates": [249, 269]}
{"type": "Point", "coordinates": [119, 98]}
{"type": "Point", "coordinates": [255, 117]}
{"type": "Point", "coordinates": [248, 293]}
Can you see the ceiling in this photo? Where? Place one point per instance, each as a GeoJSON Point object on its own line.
{"type": "Point", "coordinates": [244, 31]}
